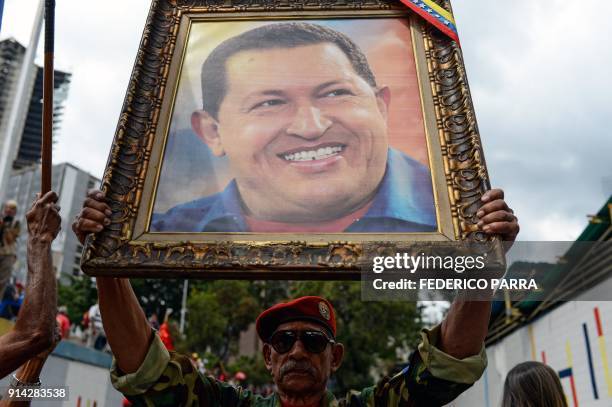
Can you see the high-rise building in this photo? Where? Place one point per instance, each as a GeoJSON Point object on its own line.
{"type": "Point", "coordinates": [31, 141]}
{"type": "Point", "coordinates": [11, 62]}
{"type": "Point", "coordinates": [71, 184]}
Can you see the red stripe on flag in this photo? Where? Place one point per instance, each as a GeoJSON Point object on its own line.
{"type": "Point", "coordinates": [543, 357]}
{"type": "Point", "coordinates": [432, 20]}
{"type": "Point", "coordinates": [598, 322]}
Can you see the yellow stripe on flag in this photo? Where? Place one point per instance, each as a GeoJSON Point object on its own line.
{"type": "Point", "coordinates": [438, 9]}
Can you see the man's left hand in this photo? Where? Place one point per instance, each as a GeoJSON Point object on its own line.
{"type": "Point", "coordinates": [44, 221]}
{"type": "Point", "coordinates": [496, 217]}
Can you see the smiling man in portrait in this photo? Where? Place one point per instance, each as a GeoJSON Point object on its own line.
{"type": "Point", "coordinates": [297, 111]}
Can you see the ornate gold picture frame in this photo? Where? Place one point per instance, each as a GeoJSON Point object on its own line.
{"type": "Point", "coordinates": [161, 188]}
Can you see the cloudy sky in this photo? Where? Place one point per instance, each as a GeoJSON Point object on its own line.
{"type": "Point", "coordinates": [538, 70]}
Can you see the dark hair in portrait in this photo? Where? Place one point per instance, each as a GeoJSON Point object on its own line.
{"type": "Point", "coordinates": [533, 384]}
{"type": "Point", "coordinates": [282, 35]}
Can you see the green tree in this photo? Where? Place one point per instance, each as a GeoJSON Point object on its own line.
{"type": "Point", "coordinates": [217, 313]}
{"type": "Point", "coordinates": [154, 295]}
{"type": "Point", "coordinates": [254, 367]}
{"type": "Point", "coordinates": [157, 295]}
{"type": "Point", "coordinates": [78, 296]}
{"type": "Point", "coordinates": [269, 292]}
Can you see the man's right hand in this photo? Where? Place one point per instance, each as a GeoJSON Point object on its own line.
{"type": "Point", "coordinates": [93, 217]}
{"type": "Point", "coordinates": [44, 222]}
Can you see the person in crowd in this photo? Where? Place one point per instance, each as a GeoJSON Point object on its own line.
{"type": "Point", "coordinates": [63, 321]}
{"type": "Point", "coordinates": [154, 321]}
{"type": "Point", "coordinates": [97, 336]}
{"type": "Point", "coordinates": [165, 331]}
{"type": "Point", "coordinates": [10, 303]}
{"type": "Point", "coordinates": [533, 384]}
{"type": "Point", "coordinates": [9, 232]}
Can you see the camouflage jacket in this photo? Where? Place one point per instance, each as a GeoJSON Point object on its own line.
{"type": "Point", "coordinates": [432, 378]}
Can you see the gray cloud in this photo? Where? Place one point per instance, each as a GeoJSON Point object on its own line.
{"type": "Point", "coordinates": [539, 78]}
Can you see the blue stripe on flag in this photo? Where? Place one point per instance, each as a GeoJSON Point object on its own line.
{"type": "Point", "coordinates": [433, 13]}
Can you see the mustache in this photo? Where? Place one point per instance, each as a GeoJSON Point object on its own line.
{"type": "Point", "coordinates": [300, 366]}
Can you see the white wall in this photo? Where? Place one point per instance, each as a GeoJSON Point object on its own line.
{"type": "Point", "coordinates": [555, 335]}
{"type": "Point", "coordinates": [87, 382]}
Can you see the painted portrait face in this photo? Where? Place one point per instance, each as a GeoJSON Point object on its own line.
{"type": "Point", "coordinates": [305, 135]}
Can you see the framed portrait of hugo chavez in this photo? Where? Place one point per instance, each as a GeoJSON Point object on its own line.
{"type": "Point", "coordinates": [288, 139]}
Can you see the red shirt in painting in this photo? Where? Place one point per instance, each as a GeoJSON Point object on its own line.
{"type": "Point", "coordinates": [330, 226]}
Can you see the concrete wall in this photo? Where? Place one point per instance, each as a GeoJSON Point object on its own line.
{"type": "Point", "coordinates": [84, 371]}
{"type": "Point", "coordinates": [563, 338]}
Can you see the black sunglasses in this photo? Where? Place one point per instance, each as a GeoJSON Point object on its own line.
{"type": "Point", "coordinates": [313, 341]}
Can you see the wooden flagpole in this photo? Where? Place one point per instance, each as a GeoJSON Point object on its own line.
{"type": "Point", "coordinates": [29, 373]}
{"type": "Point", "coordinates": [47, 133]}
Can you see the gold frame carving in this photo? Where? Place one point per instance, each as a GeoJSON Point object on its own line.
{"type": "Point", "coordinates": [125, 249]}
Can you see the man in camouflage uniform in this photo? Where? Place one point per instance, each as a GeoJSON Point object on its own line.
{"type": "Point", "coordinates": [301, 353]}
{"type": "Point", "coordinates": [299, 344]}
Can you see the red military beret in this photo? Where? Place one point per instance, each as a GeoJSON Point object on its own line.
{"type": "Point", "coordinates": [311, 308]}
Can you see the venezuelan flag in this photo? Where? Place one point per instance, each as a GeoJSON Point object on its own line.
{"type": "Point", "coordinates": [435, 15]}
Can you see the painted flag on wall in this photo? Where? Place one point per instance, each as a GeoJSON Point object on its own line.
{"type": "Point", "coordinates": [435, 15]}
